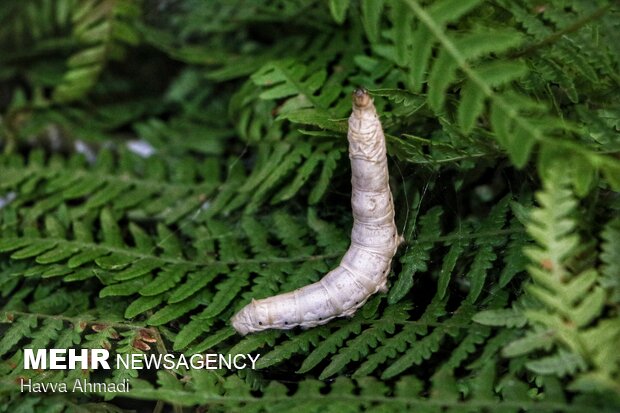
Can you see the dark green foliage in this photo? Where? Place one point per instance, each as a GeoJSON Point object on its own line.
{"type": "Point", "coordinates": [165, 162]}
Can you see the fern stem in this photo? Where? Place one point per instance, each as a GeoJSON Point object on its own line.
{"type": "Point", "coordinates": [431, 160]}
{"type": "Point", "coordinates": [161, 349]}
{"type": "Point", "coordinates": [108, 178]}
{"type": "Point", "coordinates": [554, 37]}
{"type": "Point", "coordinates": [169, 260]}
{"type": "Point", "coordinates": [511, 113]}
{"type": "Point", "coordinates": [74, 320]}
{"type": "Point", "coordinates": [459, 236]}
{"type": "Point", "coordinates": [358, 399]}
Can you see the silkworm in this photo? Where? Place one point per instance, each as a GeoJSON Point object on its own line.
{"type": "Point", "coordinates": [364, 268]}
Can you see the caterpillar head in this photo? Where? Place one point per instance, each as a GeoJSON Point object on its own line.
{"type": "Point", "coordinates": [363, 109]}
{"type": "Point", "coordinates": [361, 98]}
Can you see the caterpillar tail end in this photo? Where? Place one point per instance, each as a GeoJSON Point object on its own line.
{"type": "Point", "coordinates": [238, 325]}
{"type": "Point", "coordinates": [242, 321]}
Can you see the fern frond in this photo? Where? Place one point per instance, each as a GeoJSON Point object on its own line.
{"type": "Point", "coordinates": [101, 25]}
{"type": "Point", "coordinates": [418, 254]}
{"type": "Point", "coordinates": [515, 132]}
{"type": "Point", "coordinates": [567, 305]}
{"type": "Point", "coordinates": [206, 389]}
{"type": "Point", "coordinates": [610, 256]}
{"type": "Point", "coordinates": [485, 255]}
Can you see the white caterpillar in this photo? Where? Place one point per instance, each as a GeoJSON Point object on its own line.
{"type": "Point", "coordinates": [364, 268]}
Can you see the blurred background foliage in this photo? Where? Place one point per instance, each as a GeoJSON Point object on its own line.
{"type": "Point", "coordinates": [164, 161]}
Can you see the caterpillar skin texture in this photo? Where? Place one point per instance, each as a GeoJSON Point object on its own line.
{"type": "Point", "coordinates": [364, 268]}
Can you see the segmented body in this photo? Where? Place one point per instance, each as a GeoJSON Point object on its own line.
{"type": "Point", "coordinates": [364, 269]}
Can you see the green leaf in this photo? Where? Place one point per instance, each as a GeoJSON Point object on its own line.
{"type": "Point", "coordinates": [415, 259]}
{"type": "Point", "coordinates": [195, 282]}
{"type": "Point", "coordinates": [338, 9]}
{"type": "Point", "coordinates": [211, 341]}
{"type": "Point", "coordinates": [520, 144]}
{"type": "Point", "coordinates": [143, 304]}
{"type": "Point", "coordinates": [583, 174]}
{"type": "Point", "coordinates": [445, 11]}
{"type": "Point", "coordinates": [442, 75]}
{"type": "Point", "coordinates": [590, 308]}
{"type": "Point", "coordinates": [190, 332]}
{"type": "Point", "coordinates": [502, 317]}
{"type": "Point", "coordinates": [19, 329]}
{"type": "Point", "coordinates": [122, 289]}
{"type": "Point", "coordinates": [448, 265]}
{"type": "Point", "coordinates": [10, 244]}
{"type": "Point", "coordinates": [329, 345]}
{"type": "Point", "coordinates": [561, 364]}
{"type": "Point", "coordinates": [227, 290]}
{"type": "Point", "coordinates": [471, 106]}
{"type": "Point", "coordinates": [35, 248]}
{"type": "Point", "coordinates": [532, 341]}
{"type": "Point", "coordinates": [320, 187]}
{"type": "Point", "coordinates": [303, 174]}
{"type": "Point", "coordinates": [371, 18]}
{"type": "Point", "coordinates": [401, 21]}
{"type": "Point", "coordinates": [60, 253]}
{"type": "Point", "coordinates": [138, 268]}
{"type": "Point", "coordinates": [176, 310]}
{"type": "Point", "coordinates": [167, 278]}
{"type": "Point", "coordinates": [86, 256]}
